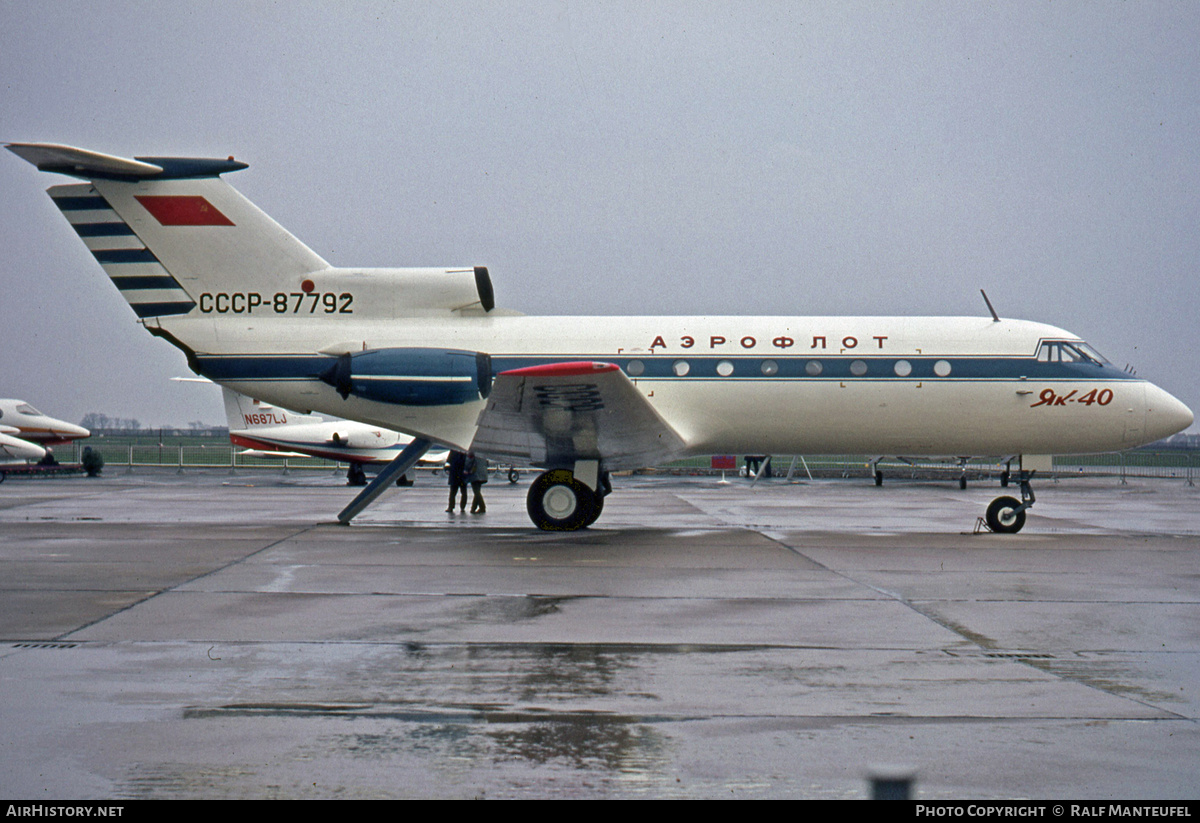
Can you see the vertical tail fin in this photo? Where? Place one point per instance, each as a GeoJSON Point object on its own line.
{"type": "Point", "coordinates": [243, 412]}
{"type": "Point", "coordinates": [167, 230]}
{"type": "Point", "coordinates": [236, 409]}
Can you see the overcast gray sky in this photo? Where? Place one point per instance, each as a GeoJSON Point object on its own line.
{"type": "Point", "coordinates": [631, 158]}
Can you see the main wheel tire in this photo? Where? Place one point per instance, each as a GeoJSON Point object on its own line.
{"type": "Point", "coordinates": [597, 507]}
{"type": "Point", "coordinates": [1005, 515]}
{"type": "Point", "coordinates": [557, 502]}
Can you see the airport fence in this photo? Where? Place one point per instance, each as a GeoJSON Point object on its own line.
{"type": "Point", "coordinates": [187, 453]}
{"type": "Point", "coordinates": [1167, 463]}
{"type": "Point", "coordinates": [207, 452]}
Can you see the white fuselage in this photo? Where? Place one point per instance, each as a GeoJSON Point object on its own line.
{"type": "Point", "coordinates": [14, 449]}
{"type": "Point", "coordinates": [874, 385]}
{"type": "Point", "coordinates": [271, 431]}
{"type": "Point", "coordinates": [27, 423]}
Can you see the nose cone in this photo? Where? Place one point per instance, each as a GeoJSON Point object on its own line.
{"type": "Point", "coordinates": [1165, 415]}
{"type": "Point", "coordinates": [70, 431]}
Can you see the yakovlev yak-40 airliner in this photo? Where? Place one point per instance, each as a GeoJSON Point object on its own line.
{"type": "Point", "coordinates": [424, 351]}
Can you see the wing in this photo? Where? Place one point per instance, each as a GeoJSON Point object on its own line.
{"type": "Point", "coordinates": [557, 414]}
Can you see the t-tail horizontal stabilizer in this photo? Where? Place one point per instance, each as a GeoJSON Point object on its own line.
{"type": "Point", "coordinates": [93, 165]}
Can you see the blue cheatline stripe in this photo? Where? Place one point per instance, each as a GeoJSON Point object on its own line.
{"type": "Point", "coordinates": [161, 309]}
{"type": "Point", "coordinates": [103, 230]}
{"type": "Point", "coordinates": [145, 281]}
{"type": "Point", "coordinates": [795, 367]}
{"type": "Point", "coordinates": [92, 202]}
{"type": "Point", "coordinates": [124, 256]}
{"type": "Point", "coordinates": [791, 369]}
{"type": "Point", "coordinates": [255, 367]}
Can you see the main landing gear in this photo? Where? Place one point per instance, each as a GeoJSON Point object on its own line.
{"type": "Point", "coordinates": [357, 476]}
{"type": "Point", "coordinates": [1006, 515]}
{"type": "Point", "coordinates": [560, 502]}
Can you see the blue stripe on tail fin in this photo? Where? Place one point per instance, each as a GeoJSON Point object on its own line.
{"type": "Point", "coordinates": [133, 268]}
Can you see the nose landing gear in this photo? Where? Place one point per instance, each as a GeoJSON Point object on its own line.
{"type": "Point", "coordinates": [1006, 515]}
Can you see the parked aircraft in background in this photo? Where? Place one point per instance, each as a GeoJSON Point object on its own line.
{"type": "Point", "coordinates": [30, 424]}
{"type": "Point", "coordinates": [268, 431]}
{"type": "Point", "coordinates": [26, 433]}
{"type": "Point", "coordinates": [14, 449]}
{"type": "Point", "coordinates": [425, 351]}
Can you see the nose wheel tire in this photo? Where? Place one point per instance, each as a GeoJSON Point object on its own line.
{"type": "Point", "coordinates": [1005, 515]}
{"type": "Point", "coordinates": [558, 502]}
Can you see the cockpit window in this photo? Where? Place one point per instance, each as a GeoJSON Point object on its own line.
{"type": "Point", "coordinates": [1091, 353]}
{"type": "Point", "coordinates": [25, 408]}
{"type": "Point", "coordinates": [1060, 351]}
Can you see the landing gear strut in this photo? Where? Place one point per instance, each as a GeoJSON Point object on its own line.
{"type": "Point", "coordinates": [557, 501]}
{"type": "Point", "coordinates": [1006, 515]}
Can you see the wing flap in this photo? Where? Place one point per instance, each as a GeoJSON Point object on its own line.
{"type": "Point", "coordinates": [556, 414]}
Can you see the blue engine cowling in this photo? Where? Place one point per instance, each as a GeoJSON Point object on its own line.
{"type": "Point", "coordinates": [412, 377]}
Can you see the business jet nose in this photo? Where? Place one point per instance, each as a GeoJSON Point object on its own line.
{"type": "Point", "coordinates": [1165, 415]}
{"type": "Point", "coordinates": [71, 431]}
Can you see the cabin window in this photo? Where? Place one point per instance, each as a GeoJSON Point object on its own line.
{"type": "Point", "coordinates": [725, 368]}
{"type": "Point", "coordinates": [942, 368]}
{"type": "Point", "coordinates": [903, 368]}
{"type": "Point", "coordinates": [636, 368]}
{"type": "Point", "coordinates": [813, 368]}
{"type": "Point", "coordinates": [858, 368]}
{"type": "Point", "coordinates": [681, 367]}
{"type": "Point", "coordinates": [770, 368]}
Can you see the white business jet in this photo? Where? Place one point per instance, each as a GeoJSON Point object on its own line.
{"type": "Point", "coordinates": [15, 450]}
{"type": "Point", "coordinates": [425, 352]}
{"type": "Point", "coordinates": [268, 431]}
{"type": "Point", "coordinates": [26, 433]}
{"type": "Point", "coordinates": [28, 423]}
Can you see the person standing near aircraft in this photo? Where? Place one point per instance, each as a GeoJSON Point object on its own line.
{"type": "Point", "coordinates": [475, 471]}
{"type": "Point", "coordinates": [455, 471]}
